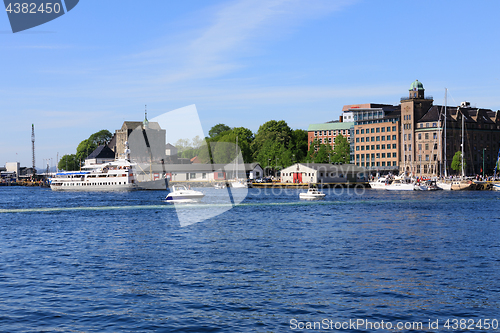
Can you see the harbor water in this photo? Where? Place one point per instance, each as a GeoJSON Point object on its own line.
{"type": "Point", "coordinates": [122, 262]}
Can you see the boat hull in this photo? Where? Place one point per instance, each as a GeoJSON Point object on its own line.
{"type": "Point", "coordinates": [400, 187]}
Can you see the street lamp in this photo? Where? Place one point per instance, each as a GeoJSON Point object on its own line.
{"type": "Point", "coordinates": [483, 162]}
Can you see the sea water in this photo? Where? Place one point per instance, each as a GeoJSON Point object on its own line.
{"type": "Point", "coordinates": [353, 262]}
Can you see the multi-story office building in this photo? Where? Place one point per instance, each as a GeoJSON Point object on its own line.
{"type": "Point", "coordinates": [377, 139]}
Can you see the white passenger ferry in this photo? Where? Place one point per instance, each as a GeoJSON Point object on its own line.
{"type": "Point", "coordinates": [112, 176]}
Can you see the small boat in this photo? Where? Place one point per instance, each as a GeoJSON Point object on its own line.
{"type": "Point", "coordinates": [381, 183]}
{"type": "Point", "coordinates": [444, 185]}
{"type": "Point", "coordinates": [400, 184]}
{"type": "Point", "coordinates": [219, 186]}
{"type": "Point", "coordinates": [239, 184]}
{"type": "Point", "coordinates": [462, 184]}
{"type": "Point", "coordinates": [312, 193]}
{"type": "Point", "coordinates": [429, 185]}
{"type": "Point", "coordinates": [182, 194]}
{"type": "Point", "coordinates": [496, 187]}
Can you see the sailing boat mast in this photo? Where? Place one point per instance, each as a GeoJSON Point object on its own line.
{"type": "Point", "coordinates": [462, 157]}
{"type": "Point", "coordinates": [445, 118]}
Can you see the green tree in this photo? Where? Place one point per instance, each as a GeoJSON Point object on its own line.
{"type": "Point", "coordinates": [320, 152]}
{"type": "Point", "coordinates": [299, 145]}
{"type": "Point", "coordinates": [271, 142]}
{"type": "Point", "coordinates": [218, 129]}
{"type": "Point", "coordinates": [84, 149]}
{"type": "Point", "coordinates": [456, 164]}
{"type": "Point", "coordinates": [341, 150]}
{"type": "Point", "coordinates": [101, 137]}
{"type": "Point", "coordinates": [68, 163]}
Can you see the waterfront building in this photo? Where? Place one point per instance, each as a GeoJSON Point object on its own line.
{"type": "Point", "coordinates": [326, 133]}
{"type": "Point", "coordinates": [423, 135]}
{"type": "Point", "coordinates": [323, 173]}
{"type": "Point", "coordinates": [146, 141]}
{"type": "Point", "coordinates": [376, 136]}
{"type": "Point", "coordinates": [102, 154]}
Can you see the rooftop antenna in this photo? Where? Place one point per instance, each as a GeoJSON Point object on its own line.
{"type": "Point", "coordinates": [33, 148]}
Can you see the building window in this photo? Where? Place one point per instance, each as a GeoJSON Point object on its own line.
{"type": "Point", "coordinates": [315, 133]}
{"type": "Point", "coordinates": [378, 130]}
{"type": "Point", "coordinates": [426, 146]}
{"type": "Point", "coordinates": [362, 147]}
{"type": "Point", "coordinates": [394, 155]}
{"type": "Point", "coordinates": [372, 130]}
{"type": "Point", "coordinates": [372, 138]}
{"type": "Point", "coordinates": [378, 138]}
{"type": "Point", "coordinates": [393, 146]}
{"type": "Point", "coordinates": [383, 129]}
{"type": "Point", "coordinates": [204, 175]}
{"type": "Point", "coordinates": [383, 137]}
{"type": "Point", "coordinates": [388, 128]}
{"type": "Point", "coordinates": [378, 147]}
{"type": "Point", "coordinates": [427, 157]}
{"type": "Point", "coordinates": [363, 139]}
{"type": "Point", "coordinates": [357, 147]}
{"type": "Point", "coordinates": [357, 131]}
{"type": "Point", "coordinates": [357, 139]}
{"type": "Point", "coordinates": [383, 146]}
{"type": "Point", "coordinates": [383, 163]}
{"type": "Point", "coordinates": [362, 131]}
{"type": "Point", "coordinates": [383, 155]}
{"type": "Point", "coordinates": [420, 136]}
{"type": "Point", "coordinates": [426, 136]}
{"type": "Point", "coordinates": [394, 137]}
{"type": "Point", "coordinates": [373, 147]}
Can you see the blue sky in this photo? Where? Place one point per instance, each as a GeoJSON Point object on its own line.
{"type": "Point", "coordinates": [241, 62]}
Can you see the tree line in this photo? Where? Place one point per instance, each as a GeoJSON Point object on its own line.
{"type": "Point", "coordinates": [274, 145]}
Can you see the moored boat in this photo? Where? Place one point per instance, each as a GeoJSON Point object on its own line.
{"type": "Point", "coordinates": [112, 176]}
{"type": "Point", "coordinates": [400, 184]}
{"type": "Point", "coordinates": [380, 183]}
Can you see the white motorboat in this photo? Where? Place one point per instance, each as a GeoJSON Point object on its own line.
{"type": "Point", "coordinates": [312, 193]}
{"type": "Point", "coordinates": [182, 194]}
{"type": "Point", "coordinates": [239, 184]}
{"type": "Point", "coordinates": [380, 183]}
{"type": "Point", "coordinates": [400, 184]}
{"type": "Point", "coordinates": [444, 185]}
{"type": "Point", "coordinates": [496, 187]}
{"type": "Point", "coordinates": [219, 186]}
{"type": "Point", "coordinates": [112, 176]}
{"type": "Point", "coordinates": [429, 185]}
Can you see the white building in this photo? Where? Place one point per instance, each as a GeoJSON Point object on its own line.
{"type": "Point", "coordinates": [324, 173]}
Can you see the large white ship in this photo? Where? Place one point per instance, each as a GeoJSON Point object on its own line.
{"type": "Point", "coordinates": [112, 176]}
